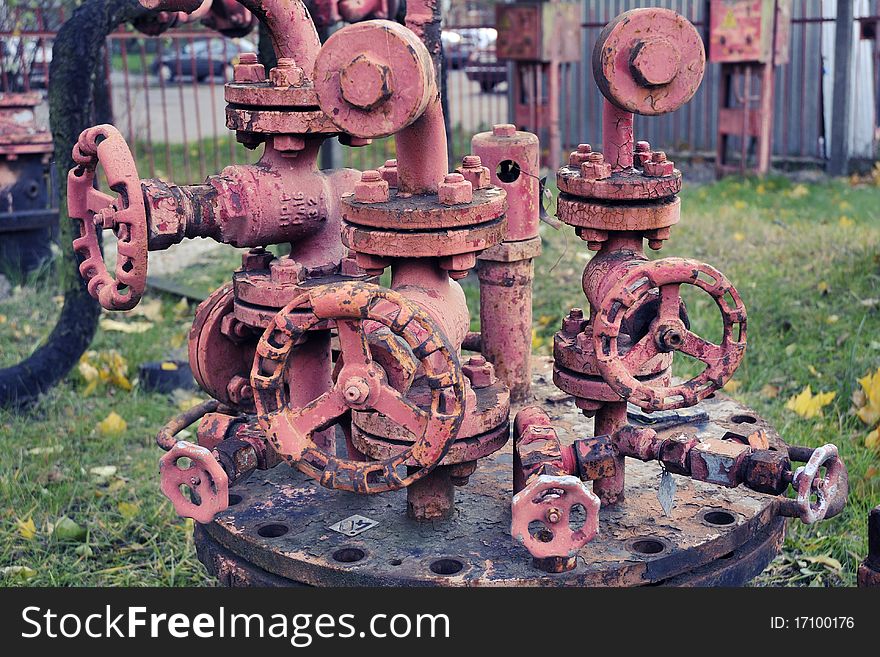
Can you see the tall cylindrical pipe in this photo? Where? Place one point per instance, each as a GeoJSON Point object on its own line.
{"type": "Point", "coordinates": [617, 136]}
{"type": "Point", "coordinates": [609, 418]}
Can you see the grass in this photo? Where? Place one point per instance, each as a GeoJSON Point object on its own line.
{"type": "Point", "coordinates": [810, 281]}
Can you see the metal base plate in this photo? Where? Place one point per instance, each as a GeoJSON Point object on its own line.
{"type": "Point", "coordinates": [278, 531]}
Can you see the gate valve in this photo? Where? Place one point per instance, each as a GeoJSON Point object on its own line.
{"type": "Point", "coordinates": [355, 308]}
{"type": "Point", "coordinates": [667, 333]}
{"type": "Point", "coordinates": [206, 479]}
{"type": "Point", "coordinates": [94, 210]}
{"type": "Point", "coordinates": [549, 500]}
{"type": "Point", "coordinates": [830, 489]}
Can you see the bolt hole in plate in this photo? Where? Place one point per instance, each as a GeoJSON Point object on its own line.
{"type": "Point", "coordinates": [349, 555]}
{"type": "Point", "coordinates": [647, 546]}
{"type": "Point", "coordinates": [743, 419]}
{"type": "Point", "coordinates": [446, 566]}
{"type": "Point", "coordinates": [396, 562]}
{"type": "Point", "coordinates": [273, 530]}
{"type": "Point", "coordinates": [717, 518]}
{"type": "Point", "coordinates": [234, 499]}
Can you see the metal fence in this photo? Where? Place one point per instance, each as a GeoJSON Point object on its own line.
{"type": "Point", "coordinates": [174, 117]}
{"type": "Point", "coordinates": [798, 121]}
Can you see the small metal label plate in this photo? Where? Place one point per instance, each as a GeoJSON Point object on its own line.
{"type": "Point", "coordinates": [354, 525]}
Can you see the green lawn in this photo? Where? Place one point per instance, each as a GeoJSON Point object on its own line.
{"type": "Point", "coordinates": [805, 258]}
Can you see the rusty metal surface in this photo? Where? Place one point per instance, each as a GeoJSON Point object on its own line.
{"type": "Point", "coordinates": [294, 515]}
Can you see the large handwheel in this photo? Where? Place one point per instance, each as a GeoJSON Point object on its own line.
{"type": "Point", "coordinates": [360, 385]}
{"type": "Point", "coordinates": [668, 333]}
{"type": "Point", "coordinates": [830, 490]}
{"type": "Point", "coordinates": [124, 214]}
{"type": "Point", "coordinates": [550, 500]}
{"type": "Point", "coordinates": [206, 479]}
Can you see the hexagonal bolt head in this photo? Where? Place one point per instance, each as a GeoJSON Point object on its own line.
{"type": "Point", "coordinates": [365, 83]}
{"type": "Point", "coordinates": [655, 62]}
{"type": "Point", "coordinates": [388, 171]}
{"type": "Point", "coordinates": [767, 471]}
{"type": "Point", "coordinates": [455, 190]}
{"type": "Point", "coordinates": [233, 329]}
{"type": "Point", "coordinates": [457, 266]}
{"type": "Point", "coordinates": [578, 157]}
{"type": "Point", "coordinates": [573, 322]}
{"type": "Point", "coordinates": [479, 371]}
{"type": "Point", "coordinates": [474, 172]}
{"type": "Point", "coordinates": [642, 153]}
{"type": "Point", "coordinates": [371, 188]}
{"type": "Point", "coordinates": [237, 457]}
{"type": "Point", "coordinates": [372, 265]}
{"type": "Point", "coordinates": [658, 166]}
{"type": "Point", "coordinates": [595, 458]}
{"type": "Point", "coordinates": [287, 271]}
{"type": "Point", "coordinates": [595, 167]}
{"type": "Point", "coordinates": [594, 238]}
{"type": "Point", "coordinates": [718, 462]}
{"type": "Point", "coordinates": [256, 259]}
{"type": "Point", "coordinates": [287, 74]}
{"type": "Point", "coordinates": [675, 453]}
{"type": "Point", "coordinates": [503, 130]}
{"type": "Point", "coordinates": [248, 69]}
{"type": "Point", "coordinates": [288, 144]}
{"type": "Point", "coordinates": [460, 473]}
{"type": "Point", "coordinates": [239, 390]}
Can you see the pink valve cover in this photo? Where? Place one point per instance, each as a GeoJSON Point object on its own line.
{"type": "Point", "coordinates": [549, 500]}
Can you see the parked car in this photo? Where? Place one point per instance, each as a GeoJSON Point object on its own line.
{"type": "Point", "coordinates": [201, 59]}
{"type": "Point", "coordinates": [484, 68]}
{"type": "Point", "coordinates": [460, 44]}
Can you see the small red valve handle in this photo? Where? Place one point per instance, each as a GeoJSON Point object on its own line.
{"type": "Point", "coordinates": [831, 489]}
{"type": "Point", "coordinates": [206, 479]}
{"type": "Point", "coordinates": [668, 332]}
{"type": "Point", "coordinates": [549, 500]}
{"type": "Point", "coordinates": [125, 215]}
{"type": "Point", "coordinates": [361, 384]}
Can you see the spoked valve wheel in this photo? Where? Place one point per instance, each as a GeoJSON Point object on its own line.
{"type": "Point", "coordinates": [94, 210]}
{"type": "Point", "coordinates": [361, 385]}
{"type": "Point", "coordinates": [668, 333]}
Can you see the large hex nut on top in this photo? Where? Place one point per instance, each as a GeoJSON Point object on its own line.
{"type": "Point", "coordinates": [374, 78]}
{"type": "Point", "coordinates": [550, 500]}
{"type": "Point", "coordinates": [649, 61]}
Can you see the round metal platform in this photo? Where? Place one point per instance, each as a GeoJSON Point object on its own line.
{"type": "Point", "coordinates": [284, 529]}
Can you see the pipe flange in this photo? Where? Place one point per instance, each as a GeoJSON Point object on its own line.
{"type": "Point", "coordinates": [635, 217]}
{"type": "Point", "coordinates": [629, 185]}
{"type": "Point", "coordinates": [258, 95]}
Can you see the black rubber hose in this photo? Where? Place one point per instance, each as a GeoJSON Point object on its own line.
{"type": "Point", "coordinates": [75, 72]}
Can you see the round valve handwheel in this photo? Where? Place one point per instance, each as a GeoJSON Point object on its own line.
{"type": "Point", "coordinates": [206, 479]}
{"type": "Point", "coordinates": [668, 333]}
{"type": "Point", "coordinates": [360, 385]}
{"type": "Point", "coordinates": [649, 61]}
{"type": "Point", "coordinates": [125, 214]}
{"type": "Point", "coordinates": [550, 500]}
{"type": "Point", "coordinates": [830, 490]}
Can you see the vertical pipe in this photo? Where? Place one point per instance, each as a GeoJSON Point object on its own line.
{"type": "Point", "coordinates": [310, 364]}
{"type": "Point", "coordinates": [609, 418]}
{"type": "Point", "coordinates": [617, 136]}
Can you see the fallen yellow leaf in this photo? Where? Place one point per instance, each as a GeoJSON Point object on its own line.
{"type": "Point", "coordinates": [845, 222]}
{"type": "Point", "coordinates": [151, 310]}
{"type": "Point", "coordinates": [740, 205]}
{"type": "Point", "coordinates": [823, 287]}
{"type": "Point", "coordinates": [808, 405]}
{"type": "Point", "coordinates": [125, 327]}
{"type": "Point", "coordinates": [798, 191]}
{"type": "Point", "coordinates": [112, 426]}
{"type": "Point", "coordinates": [26, 528]}
{"type": "Point", "coordinates": [759, 440]}
{"type": "Point", "coordinates": [872, 441]}
{"type": "Point", "coordinates": [731, 386]}
{"type": "Point", "coordinates": [869, 410]}
{"type": "Point", "coordinates": [128, 509]}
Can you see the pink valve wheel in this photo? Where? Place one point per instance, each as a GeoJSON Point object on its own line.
{"type": "Point", "coordinates": [361, 384]}
{"type": "Point", "coordinates": [208, 482]}
{"type": "Point", "coordinates": [668, 333]}
{"type": "Point", "coordinates": [830, 490]}
{"type": "Point", "coordinates": [649, 61]}
{"type": "Point", "coordinates": [550, 500]}
{"type": "Point", "coordinates": [125, 215]}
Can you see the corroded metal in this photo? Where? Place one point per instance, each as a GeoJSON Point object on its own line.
{"type": "Point", "coordinates": [869, 569]}
{"type": "Point", "coordinates": [474, 547]}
